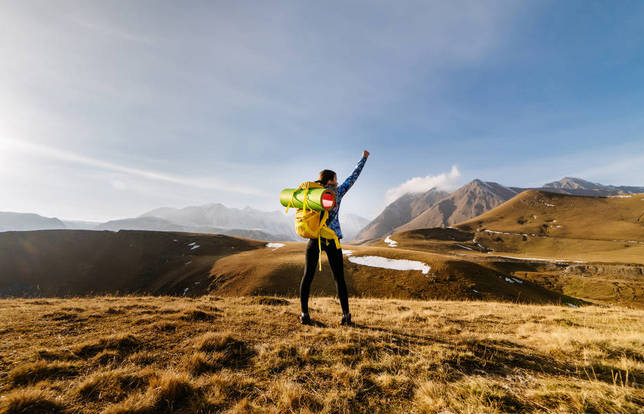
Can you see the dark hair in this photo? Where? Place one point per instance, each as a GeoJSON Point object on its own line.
{"type": "Point", "coordinates": [326, 176]}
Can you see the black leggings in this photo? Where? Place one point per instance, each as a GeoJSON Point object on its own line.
{"type": "Point", "coordinates": [337, 267]}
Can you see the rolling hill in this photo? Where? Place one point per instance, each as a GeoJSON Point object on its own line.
{"type": "Point", "coordinates": [82, 262]}
{"type": "Point", "coordinates": [278, 271]}
{"type": "Point", "coordinates": [69, 262]}
{"type": "Point", "coordinates": [565, 226]}
{"type": "Point", "coordinates": [591, 248]}
{"type": "Point", "coordinates": [539, 247]}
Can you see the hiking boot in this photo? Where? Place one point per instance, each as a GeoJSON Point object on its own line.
{"type": "Point", "coordinates": [305, 319]}
{"type": "Point", "coordinates": [346, 319]}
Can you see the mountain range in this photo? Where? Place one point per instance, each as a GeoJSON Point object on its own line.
{"type": "Point", "coordinates": [433, 208]}
{"type": "Point", "coordinates": [577, 186]}
{"type": "Point", "coordinates": [208, 219]}
{"type": "Point", "coordinates": [28, 221]}
{"type": "Point", "coordinates": [471, 200]}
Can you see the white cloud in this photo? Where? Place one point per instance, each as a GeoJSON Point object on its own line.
{"type": "Point", "coordinates": [445, 181]}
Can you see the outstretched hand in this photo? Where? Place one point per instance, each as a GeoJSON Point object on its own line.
{"type": "Point", "coordinates": [365, 153]}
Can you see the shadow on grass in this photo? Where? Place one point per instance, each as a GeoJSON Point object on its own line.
{"type": "Point", "coordinates": [503, 358]}
{"type": "Point", "coordinates": [317, 324]}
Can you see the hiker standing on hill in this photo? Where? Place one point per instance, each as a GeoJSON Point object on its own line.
{"type": "Point", "coordinates": [329, 180]}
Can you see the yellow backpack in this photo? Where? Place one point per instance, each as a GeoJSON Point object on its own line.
{"type": "Point", "coordinates": [311, 224]}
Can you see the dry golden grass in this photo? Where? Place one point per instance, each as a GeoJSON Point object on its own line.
{"type": "Point", "coordinates": [604, 229]}
{"type": "Point", "coordinates": [160, 355]}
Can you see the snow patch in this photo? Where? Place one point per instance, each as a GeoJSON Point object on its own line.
{"type": "Point", "coordinates": [501, 232]}
{"type": "Point", "coordinates": [390, 242]}
{"type": "Point", "coordinates": [478, 244]}
{"type": "Point", "coordinates": [620, 196]}
{"type": "Point", "coordinates": [572, 305]}
{"type": "Point", "coordinates": [188, 262]}
{"type": "Point", "coordinates": [531, 258]}
{"type": "Point", "coordinates": [464, 247]}
{"type": "Point", "coordinates": [275, 246]}
{"type": "Point", "coordinates": [386, 263]}
{"type": "Point", "coordinates": [193, 245]}
{"type": "Point", "coordinates": [536, 259]}
{"type": "Point", "coordinates": [347, 252]}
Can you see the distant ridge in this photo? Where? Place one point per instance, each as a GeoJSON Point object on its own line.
{"type": "Point", "coordinates": [351, 224]}
{"type": "Point", "coordinates": [159, 224]}
{"type": "Point", "coordinates": [219, 216]}
{"type": "Point", "coordinates": [577, 186]}
{"type": "Point", "coordinates": [10, 221]}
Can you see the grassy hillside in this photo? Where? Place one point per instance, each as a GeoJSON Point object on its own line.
{"type": "Point", "coordinates": [59, 263]}
{"type": "Point", "coordinates": [608, 229]}
{"type": "Point", "coordinates": [585, 247]}
{"type": "Point", "coordinates": [249, 355]}
{"type": "Point", "coordinates": [77, 262]}
{"type": "Point", "coordinates": [268, 271]}
{"type": "Point", "coordinates": [538, 247]}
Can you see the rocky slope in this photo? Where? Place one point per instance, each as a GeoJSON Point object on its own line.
{"type": "Point", "coordinates": [468, 201]}
{"type": "Point", "coordinates": [401, 211]}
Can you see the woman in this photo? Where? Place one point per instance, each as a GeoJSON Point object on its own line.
{"type": "Point", "coordinates": [329, 180]}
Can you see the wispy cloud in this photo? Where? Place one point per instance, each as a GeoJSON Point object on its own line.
{"type": "Point", "coordinates": [210, 183]}
{"type": "Point", "coordinates": [445, 181]}
{"type": "Point", "coordinates": [111, 30]}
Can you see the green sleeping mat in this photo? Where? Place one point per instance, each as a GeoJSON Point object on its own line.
{"type": "Point", "coordinates": [316, 199]}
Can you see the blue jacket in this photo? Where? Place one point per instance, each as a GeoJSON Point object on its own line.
{"type": "Point", "coordinates": [332, 221]}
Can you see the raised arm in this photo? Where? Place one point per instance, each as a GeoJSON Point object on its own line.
{"type": "Point", "coordinates": [344, 187]}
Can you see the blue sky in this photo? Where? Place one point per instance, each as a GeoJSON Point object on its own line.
{"type": "Point", "coordinates": [110, 109]}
